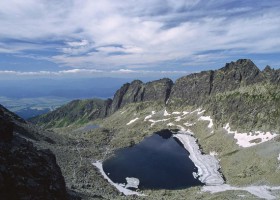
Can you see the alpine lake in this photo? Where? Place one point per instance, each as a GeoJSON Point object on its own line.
{"type": "Point", "coordinates": [158, 162]}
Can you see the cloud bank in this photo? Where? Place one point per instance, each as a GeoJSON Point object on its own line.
{"type": "Point", "coordinates": [139, 35]}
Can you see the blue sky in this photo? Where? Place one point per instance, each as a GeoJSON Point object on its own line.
{"type": "Point", "coordinates": [134, 38]}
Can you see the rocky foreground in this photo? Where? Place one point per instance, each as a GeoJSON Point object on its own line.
{"type": "Point", "coordinates": [25, 171]}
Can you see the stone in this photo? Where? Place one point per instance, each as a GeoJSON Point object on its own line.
{"type": "Point", "coordinates": [6, 130]}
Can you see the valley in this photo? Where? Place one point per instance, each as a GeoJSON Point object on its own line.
{"type": "Point", "coordinates": [226, 120]}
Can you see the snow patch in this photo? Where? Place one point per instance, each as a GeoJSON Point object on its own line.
{"type": "Point", "coordinates": [200, 112]}
{"type": "Point", "coordinates": [189, 124]}
{"type": "Point", "coordinates": [263, 191]}
{"type": "Point", "coordinates": [208, 166]}
{"type": "Point", "coordinates": [207, 118]}
{"type": "Point", "coordinates": [249, 139]}
{"type": "Point", "coordinates": [149, 116]}
{"type": "Point", "coordinates": [132, 182]}
{"type": "Point", "coordinates": [213, 153]}
{"type": "Point", "coordinates": [165, 113]}
{"type": "Point", "coordinates": [196, 111]}
{"type": "Point", "coordinates": [132, 121]}
{"type": "Point", "coordinates": [156, 121]}
{"type": "Point", "coordinates": [119, 187]}
{"type": "Point", "coordinates": [178, 119]}
{"type": "Point", "coordinates": [170, 124]}
{"type": "Point", "coordinates": [176, 113]}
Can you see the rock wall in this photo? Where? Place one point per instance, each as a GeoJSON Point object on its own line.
{"type": "Point", "coordinates": [195, 87]}
{"type": "Point", "coordinates": [137, 91]}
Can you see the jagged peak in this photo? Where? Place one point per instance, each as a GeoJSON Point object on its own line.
{"type": "Point", "coordinates": [167, 80]}
{"type": "Point", "coordinates": [136, 82]}
{"type": "Point", "coordinates": [242, 64]}
{"type": "Point", "coordinates": [268, 69]}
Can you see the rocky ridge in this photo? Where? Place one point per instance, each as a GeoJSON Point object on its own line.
{"type": "Point", "coordinates": [239, 88]}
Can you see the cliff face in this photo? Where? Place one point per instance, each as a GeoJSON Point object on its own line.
{"type": "Point", "coordinates": [25, 171]}
{"type": "Point", "coordinates": [137, 91]}
{"type": "Point", "coordinates": [195, 87]}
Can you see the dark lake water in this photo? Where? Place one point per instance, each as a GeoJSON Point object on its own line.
{"type": "Point", "coordinates": [159, 162]}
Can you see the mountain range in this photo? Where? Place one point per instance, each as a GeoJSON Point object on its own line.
{"type": "Point", "coordinates": [238, 93]}
{"type": "Point", "coordinates": [51, 156]}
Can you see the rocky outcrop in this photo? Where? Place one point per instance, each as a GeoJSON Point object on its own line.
{"type": "Point", "coordinates": [192, 88]}
{"type": "Point", "coordinates": [272, 75]}
{"type": "Point", "coordinates": [195, 87]}
{"type": "Point", "coordinates": [137, 91]}
{"type": "Point", "coordinates": [157, 90]}
{"type": "Point", "coordinates": [118, 97]}
{"type": "Point", "coordinates": [243, 72]}
{"type": "Point", "coordinates": [133, 94]}
{"type": "Point", "coordinates": [25, 171]}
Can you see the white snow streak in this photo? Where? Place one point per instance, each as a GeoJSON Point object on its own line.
{"type": "Point", "coordinates": [176, 113]}
{"type": "Point", "coordinates": [149, 116]}
{"type": "Point", "coordinates": [156, 121]}
{"type": "Point", "coordinates": [200, 112]}
{"type": "Point", "coordinates": [132, 121]}
{"type": "Point", "coordinates": [207, 118]}
{"type": "Point", "coordinates": [189, 124]}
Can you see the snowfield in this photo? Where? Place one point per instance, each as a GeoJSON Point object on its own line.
{"type": "Point", "coordinates": [208, 166]}
{"type": "Point", "coordinates": [250, 139]}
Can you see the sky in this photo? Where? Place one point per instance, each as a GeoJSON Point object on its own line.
{"type": "Point", "coordinates": [134, 38]}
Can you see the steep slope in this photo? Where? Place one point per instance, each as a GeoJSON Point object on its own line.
{"type": "Point", "coordinates": [25, 171]}
{"type": "Point", "coordinates": [77, 111]}
{"type": "Point", "coordinates": [137, 91]}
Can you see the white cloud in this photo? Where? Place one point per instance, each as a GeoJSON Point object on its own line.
{"type": "Point", "coordinates": [78, 43]}
{"type": "Point", "coordinates": [93, 73]}
{"type": "Point", "coordinates": [108, 34]}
